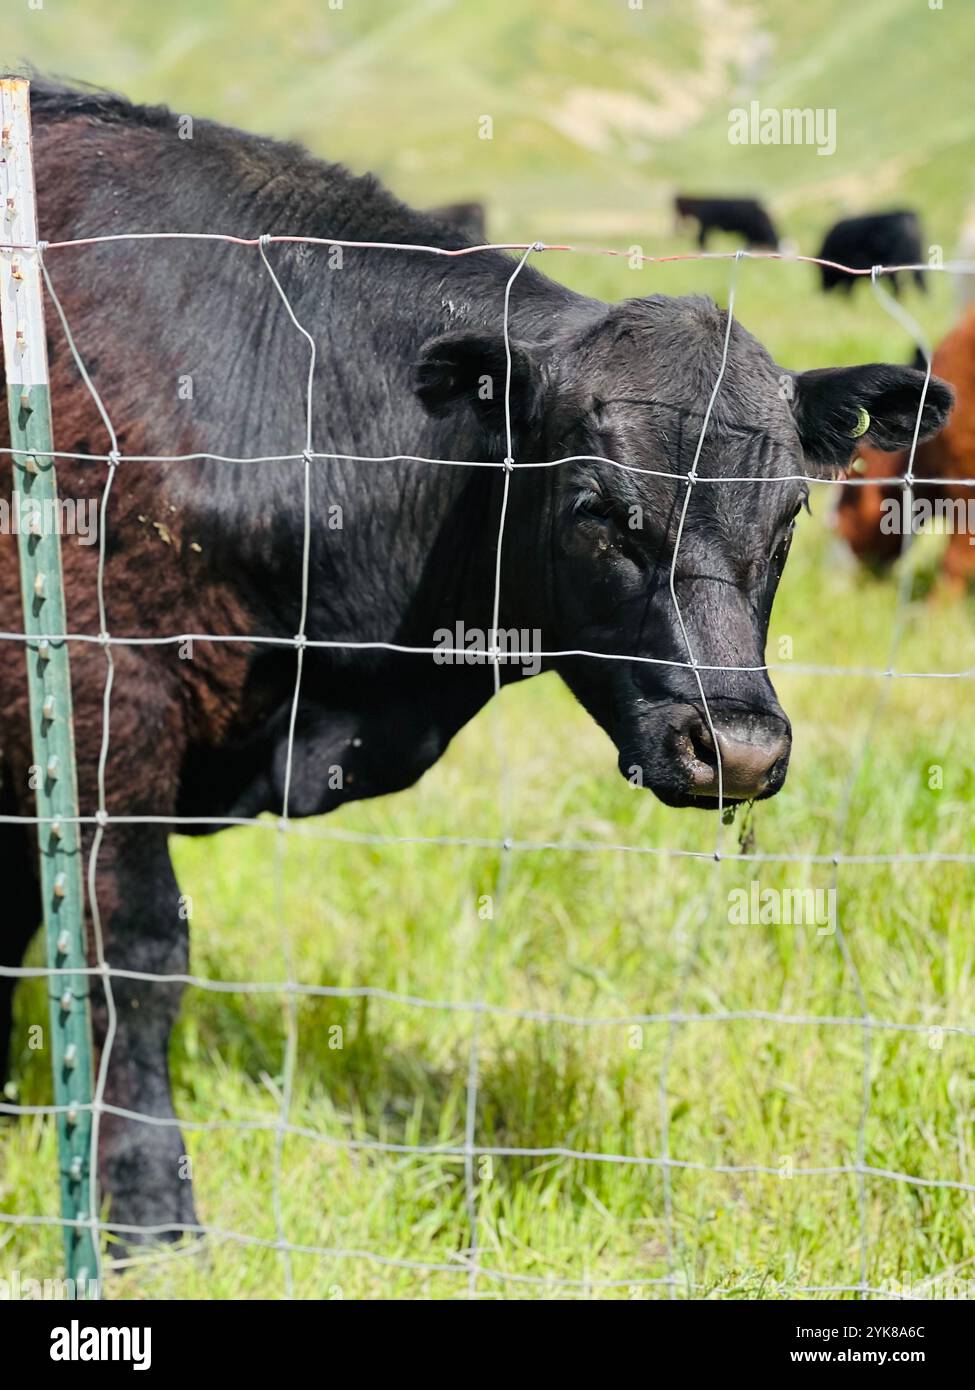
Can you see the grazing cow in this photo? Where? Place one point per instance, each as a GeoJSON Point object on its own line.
{"type": "Point", "coordinates": [744, 216]}
{"type": "Point", "coordinates": [411, 360]}
{"type": "Point", "coordinates": [469, 218]}
{"type": "Point", "coordinates": [861, 508]}
{"type": "Point", "coordinates": [864, 515]}
{"type": "Point", "coordinates": [879, 238]}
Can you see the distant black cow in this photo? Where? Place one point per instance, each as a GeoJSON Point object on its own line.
{"type": "Point", "coordinates": [469, 218]}
{"type": "Point", "coordinates": [744, 216]}
{"type": "Point", "coordinates": [879, 238]}
{"type": "Point", "coordinates": [412, 360]}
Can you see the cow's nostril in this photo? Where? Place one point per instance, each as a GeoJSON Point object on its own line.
{"type": "Point", "coordinates": [702, 745]}
{"type": "Point", "coordinates": [749, 752]}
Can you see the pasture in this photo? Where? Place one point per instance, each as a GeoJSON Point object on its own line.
{"type": "Point", "coordinates": [584, 929]}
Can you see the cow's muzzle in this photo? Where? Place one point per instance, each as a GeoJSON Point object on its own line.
{"type": "Point", "coordinates": [681, 755]}
{"type": "Point", "coordinates": [752, 752]}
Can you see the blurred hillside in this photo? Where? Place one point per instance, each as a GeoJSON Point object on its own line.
{"type": "Point", "coordinates": [599, 110]}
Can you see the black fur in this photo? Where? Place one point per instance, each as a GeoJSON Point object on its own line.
{"type": "Point", "coordinates": [744, 216]}
{"type": "Point", "coordinates": [879, 238]}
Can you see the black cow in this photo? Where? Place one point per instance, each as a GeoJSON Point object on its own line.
{"type": "Point", "coordinates": [744, 216]}
{"type": "Point", "coordinates": [469, 218]}
{"type": "Point", "coordinates": [879, 238]}
{"type": "Point", "coordinates": [411, 360]}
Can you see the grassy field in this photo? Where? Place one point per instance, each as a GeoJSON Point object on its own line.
{"type": "Point", "coordinates": [592, 932]}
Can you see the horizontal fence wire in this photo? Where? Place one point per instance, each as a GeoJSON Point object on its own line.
{"type": "Point", "coordinates": [853, 481]}
{"type": "Point", "coordinates": [482, 658]}
{"type": "Point", "coordinates": [468, 1263]}
{"type": "Point", "coordinates": [425, 1267]}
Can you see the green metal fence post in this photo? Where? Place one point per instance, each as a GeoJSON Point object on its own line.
{"type": "Point", "coordinates": [36, 515]}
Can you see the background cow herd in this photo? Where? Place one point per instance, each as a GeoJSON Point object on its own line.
{"type": "Point", "coordinates": [867, 508]}
{"type": "Point", "coordinates": [876, 238]}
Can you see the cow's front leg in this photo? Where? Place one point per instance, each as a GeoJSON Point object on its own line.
{"type": "Point", "coordinates": [143, 1168]}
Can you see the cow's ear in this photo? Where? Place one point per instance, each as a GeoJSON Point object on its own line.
{"type": "Point", "coordinates": [468, 370]}
{"type": "Point", "coordinates": [837, 408]}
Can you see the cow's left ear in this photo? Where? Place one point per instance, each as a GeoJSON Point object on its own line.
{"type": "Point", "coordinates": [467, 369]}
{"type": "Point", "coordinates": [838, 407]}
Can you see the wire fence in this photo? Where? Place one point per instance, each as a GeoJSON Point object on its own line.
{"type": "Point", "coordinates": [469, 1267]}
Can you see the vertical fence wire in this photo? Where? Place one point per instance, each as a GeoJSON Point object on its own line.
{"type": "Point", "coordinates": [291, 1000]}
{"type": "Point", "coordinates": [711, 894]}
{"type": "Point", "coordinates": [898, 627]}
{"type": "Point", "coordinates": [485, 955]}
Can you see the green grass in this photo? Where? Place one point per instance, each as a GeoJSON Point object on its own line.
{"type": "Point", "coordinates": [598, 932]}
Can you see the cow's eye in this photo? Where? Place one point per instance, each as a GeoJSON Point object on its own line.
{"type": "Point", "coordinates": [593, 502]}
{"type": "Point", "coordinates": [781, 552]}
{"type": "Point", "coordinates": [782, 549]}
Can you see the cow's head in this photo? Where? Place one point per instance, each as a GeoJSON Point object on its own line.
{"type": "Point", "coordinates": [633, 386]}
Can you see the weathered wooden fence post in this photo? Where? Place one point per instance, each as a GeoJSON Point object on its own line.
{"type": "Point", "coordinates": [36, 514]}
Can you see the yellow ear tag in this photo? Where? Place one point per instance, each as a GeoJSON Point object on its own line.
{"type": "Point", "coordinates": [862, 424]}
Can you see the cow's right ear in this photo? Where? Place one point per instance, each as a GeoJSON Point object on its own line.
{"type": "Point", "coordinates": [836, 407]}
{"type": "Point", "coordinates": [467, 369]}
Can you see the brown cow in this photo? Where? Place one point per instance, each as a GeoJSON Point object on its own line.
{"type": "Point", "coordinates": [863, 519]}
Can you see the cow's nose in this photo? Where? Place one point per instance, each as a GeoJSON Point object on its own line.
{"type": "Point", "coordinates": [752, 750]}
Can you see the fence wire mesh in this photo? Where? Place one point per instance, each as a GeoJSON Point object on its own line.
{"type": "Point", "coordinates": [469, 1267]}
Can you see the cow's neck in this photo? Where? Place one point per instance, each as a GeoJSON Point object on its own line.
{"type": "Point", "coordinates": [411, 547]}
{"type": "Point", "coordinates": [401, 548]}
